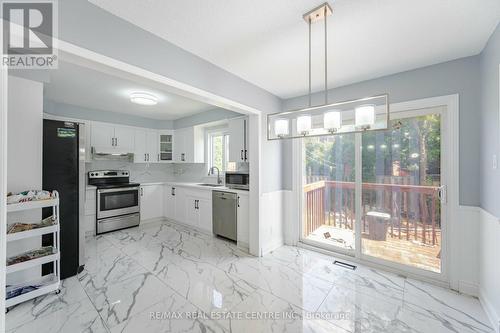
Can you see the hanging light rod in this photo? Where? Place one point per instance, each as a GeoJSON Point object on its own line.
{"type": "Point", "coordinates": [359, 115]}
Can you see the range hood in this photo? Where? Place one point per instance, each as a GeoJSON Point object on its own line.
{"type": "Point", "coordinates": [111, 154]}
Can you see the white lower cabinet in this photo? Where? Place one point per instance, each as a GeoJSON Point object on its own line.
{"type": "Point", "coordinates": [242, 216]}
{"type": "Point", "coordinates": [198, 206]}
{"type": "Point", "coordinates": [151, 201]}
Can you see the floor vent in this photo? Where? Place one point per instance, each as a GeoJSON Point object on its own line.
{"type": "Point", "coordinates": [344, 264]}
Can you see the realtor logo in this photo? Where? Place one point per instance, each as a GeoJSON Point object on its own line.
{"type": "Point", "coordinates": [28, 34]}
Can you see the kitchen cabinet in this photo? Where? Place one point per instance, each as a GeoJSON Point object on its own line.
{"type": "Point", "coordinates": [199, 209]}
{"type": "Point", "coordinates": [243, 218]}
{"type": "Point", "coordinates": [189, 146]}
{"type": "Point", "coordinates": [146, 146]}
{"type": "Point", "coordinates": [109, 137]}
{"type": "Point", "coordinates": [174, 207]}
{"type": "Point", "coordinates": [238, 139]}
{"type": "Point", "coordinates": [151, 200]}
{"type": "Point", "coordinates": [166, 146]}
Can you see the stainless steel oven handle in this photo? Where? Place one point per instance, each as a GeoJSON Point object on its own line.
{"type": "Point", "coordinates": [122, 189]}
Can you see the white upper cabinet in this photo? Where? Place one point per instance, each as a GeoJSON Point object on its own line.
{"type": "Point", "coordinates": [102, 136]}
{"type": "Point", "coordinates": [124, 138]}
{"type": "Point", "coordinates": [238, 140]}
{"type": "Point", "coordinates": [109, 137]}
{"type": "Point", "coordinates": [166, 146]}
{"type": "Point", "coordinates": [189, 146]}
{"type": "Point", "coordinates": [146, 146]}
{"type": "Point", "coordinates": [152, 146]}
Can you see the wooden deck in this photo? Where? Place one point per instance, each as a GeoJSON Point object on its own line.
{"type": "Point", "coordinates": [406, 252]}
{"type": "Point", "coordinates": [409, 216]}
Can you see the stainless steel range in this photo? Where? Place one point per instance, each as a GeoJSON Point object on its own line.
{"type": "Point", "coordinates": [117, 204]}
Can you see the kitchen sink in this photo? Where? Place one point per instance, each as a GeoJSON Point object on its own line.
{"type": "Point", "coordinates": [211, 185]}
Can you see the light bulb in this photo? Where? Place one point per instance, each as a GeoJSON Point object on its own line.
{"type": "Point", "coordinates": [365, 116]}
{"type": "Point", "coordinates": [304, 124]}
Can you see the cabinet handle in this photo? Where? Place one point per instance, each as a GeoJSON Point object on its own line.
{"type": "Point", "coordinates": [195, 204]}
{"type": "Point", "coordinates": [116, 142]}
{"type": "Point", "coordinates": [173, 191]}
{"type": "Point", "coordinates": [238, 200]}
{"type": "Point", "coordinates": [148, 157]}
{"type": "Point", "coordinates": [142, 191]}
{"type": "Point", "coordinates": [241, 154]}
{"type": "Point", "coordinates": [245, 154]}
{"type": "Point", "coordinates": [144, 157]}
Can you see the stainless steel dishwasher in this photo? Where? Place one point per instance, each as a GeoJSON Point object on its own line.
{"type": "Point", "coordinates": [224, 206]}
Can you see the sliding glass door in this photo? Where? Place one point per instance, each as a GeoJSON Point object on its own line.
{"type": "Point", "coordinates": [393, 186]}
{"type": "Point", "coordinates": [329, 197]}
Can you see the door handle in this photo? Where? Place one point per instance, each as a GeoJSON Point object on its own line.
{"type": "Point", "coordinates": [442, 194]}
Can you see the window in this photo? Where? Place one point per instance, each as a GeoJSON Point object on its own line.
{"type": "Point", "coordinates": [218, 150]}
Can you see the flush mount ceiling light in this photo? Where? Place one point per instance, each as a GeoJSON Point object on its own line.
{"type": "Point", "coordinates": [143, 98]}
{"type": "Point", "coordinates": [359, 115]}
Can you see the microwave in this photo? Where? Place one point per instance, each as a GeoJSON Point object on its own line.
{"type": "Point", "coordinates": [237, 180]}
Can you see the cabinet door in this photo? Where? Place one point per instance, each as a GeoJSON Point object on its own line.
{"type": "Point", "coordinates": [179, 153]}
{"type": "Point", "coordinates": [124, 138]}
{"type": "Point", "coordinates": [102, 136]}
{"type": "Point", "coordinates": [205, 214]}
{"type": "Point", "coordinates": [188, 145]}
{"type": "Point", "coordinates": [166, 146]}
{"type": "Point", "coordinates": [180, 204]}
{"type": "Point", "coordinates": [140, 146]}
{"type": "Point", "coordinates": [169, 208]}
{"type": "Point", "coordinates": [246, 151]}
{"type": "Point", "coordinates": [151, 202]}
{"type": "Point", "coordinates": [243, 220]}
{"type": "Point", "coordinates": [152, 146]}
{"type": "Point", "coordinates": [236, 140]}
{"type": "Point", "coordinates": [191, 211]}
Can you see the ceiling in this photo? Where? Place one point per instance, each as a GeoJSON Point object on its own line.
{"type": "Point", "coordinates": [89, 88]}
{"type": "Point", "coordinates": [265, 42]}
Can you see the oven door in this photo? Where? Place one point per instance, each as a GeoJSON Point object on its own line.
{"type": "Point", "coordinates": [117, 201]}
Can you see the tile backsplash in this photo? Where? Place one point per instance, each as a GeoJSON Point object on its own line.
{"type": "Point", "coordinates": [155, 172]}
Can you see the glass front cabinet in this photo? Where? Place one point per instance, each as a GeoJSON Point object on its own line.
{"type": "Point", "coordinates": [166, 139]}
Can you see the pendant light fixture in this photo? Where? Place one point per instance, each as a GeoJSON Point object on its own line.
{"type": "Point", "coordinates": [359, 115]}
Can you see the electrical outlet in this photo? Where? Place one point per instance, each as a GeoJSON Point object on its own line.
{"type": "Point", "coordinates": [494, 162]}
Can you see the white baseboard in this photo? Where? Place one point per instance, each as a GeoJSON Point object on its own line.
{"type": "Point", "coordinates": [468, 288]}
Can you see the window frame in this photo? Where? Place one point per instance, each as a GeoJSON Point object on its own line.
{"type": "Point", "coordinates": [210, 134]}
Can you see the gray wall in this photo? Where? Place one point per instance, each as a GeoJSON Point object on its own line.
{"type": "Point", "coordinates": [78, 112]}
{"type": "Point", "coordinates": [205, 117]}
{"type": "Point", "coordinates": [80, 22]}
{"type": "Point", "coordinates": [489, 133]}
{"type": "Point", "coordinates": [459, 76]}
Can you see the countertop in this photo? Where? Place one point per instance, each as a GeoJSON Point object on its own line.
{"type": "Point", "coordinates": [198, 186]}
{"type": "Point", "coordinates": [186, 184]}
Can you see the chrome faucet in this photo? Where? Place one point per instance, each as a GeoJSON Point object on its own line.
{"type": "Point", "coordinates": [211, 171]}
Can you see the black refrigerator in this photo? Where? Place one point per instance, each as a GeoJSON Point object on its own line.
{"type": "Point", "coordinates": [64, 171]}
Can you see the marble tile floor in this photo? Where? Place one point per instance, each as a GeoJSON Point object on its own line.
{"type": "Point", "coordinates": [164, 277]}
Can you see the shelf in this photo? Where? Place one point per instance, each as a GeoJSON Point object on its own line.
{"type": "Point", "coordinates": [32, 233]}
{"type": "Point", "coordinates": [32, 205]}
{"type": "Point", "coordinates": [31, 263]}
{"type": "Point", "coordinates": [50, 283]}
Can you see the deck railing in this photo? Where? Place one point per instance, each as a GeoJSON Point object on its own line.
{"type": "Point", "coordinates": [414, 210]}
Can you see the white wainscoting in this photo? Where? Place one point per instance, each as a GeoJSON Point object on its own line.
{"type": "Point", "coordinates": [272, 218]}
{"type": "Point", "coordinates": [489, 266]}
{"type": "Point", "coordinates": [465, 248]}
